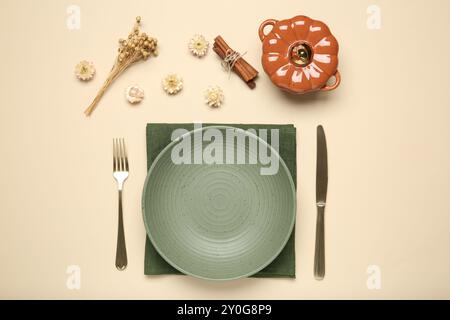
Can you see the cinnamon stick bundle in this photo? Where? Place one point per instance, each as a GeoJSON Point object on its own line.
{"type": "Point", "coordinates": [242, 68]}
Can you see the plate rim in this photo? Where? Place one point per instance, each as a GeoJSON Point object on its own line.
{"type": "Point", "coordinates": [292, 222]}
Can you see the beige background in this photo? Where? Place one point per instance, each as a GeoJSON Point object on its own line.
{"type": "Point", "coordinates": [387, 128]}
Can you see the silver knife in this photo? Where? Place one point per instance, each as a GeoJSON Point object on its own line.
{"type": "Point", "coordinates": [321, 199]}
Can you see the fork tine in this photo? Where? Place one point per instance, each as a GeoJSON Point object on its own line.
{"type": "Point", "coordinates": [119, 160]}
{"type": "Point", "coordinates": [119, 154]}
{"type": "Point", "coordinates": [125, 155]}
{"type": "Point", "coordinates": [114, 155]}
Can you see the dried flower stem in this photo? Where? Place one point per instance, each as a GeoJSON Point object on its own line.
{"type": "Point", "coordinates": [114, 74]}
{"type": "Point", "coordinates": [138, 46]}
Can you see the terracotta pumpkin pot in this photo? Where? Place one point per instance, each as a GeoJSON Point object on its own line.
{"type": "Point", "coordinates": [300, 54]}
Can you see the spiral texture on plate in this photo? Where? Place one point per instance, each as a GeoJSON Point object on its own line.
{"type": "Point", "coordinates": [218, 221]}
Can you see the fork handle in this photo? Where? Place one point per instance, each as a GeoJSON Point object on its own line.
{"type": "Point", "coordinates": [319, 257]}
{"type": "Point", "coordinates": [121, 250]}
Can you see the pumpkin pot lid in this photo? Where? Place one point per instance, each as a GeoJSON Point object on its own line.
{"type": "Point", "coordinates": [300, 54]}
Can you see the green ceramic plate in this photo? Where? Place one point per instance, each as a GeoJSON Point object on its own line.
{"type": "Point", "coordinates": [218, 221]}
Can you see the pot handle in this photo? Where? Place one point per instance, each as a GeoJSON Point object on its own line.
{"type": "Point", "coordinates": [268, 22]}
{"type": "Point", "coordinates": [337, 75]}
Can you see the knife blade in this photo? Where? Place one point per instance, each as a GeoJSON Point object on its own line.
{"type": "Point", "coordinates": [321, 168]}
{"type": "Point", "coordinates": [321, 199]}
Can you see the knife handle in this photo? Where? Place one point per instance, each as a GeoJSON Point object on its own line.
{"type": "Point", "coordinates": [319, 257]}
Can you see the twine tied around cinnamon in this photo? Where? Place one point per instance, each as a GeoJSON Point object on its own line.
{"type": "Point", "coordinates": [230, 60]}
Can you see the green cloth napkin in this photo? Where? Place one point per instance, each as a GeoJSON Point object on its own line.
{"type": "Point", "coordinates": [159, 136]}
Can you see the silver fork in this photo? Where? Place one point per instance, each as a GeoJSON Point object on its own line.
{"type": "Point", "coordinates": [120, 173]}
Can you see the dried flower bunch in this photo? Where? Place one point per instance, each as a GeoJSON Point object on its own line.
{"type": "Point", "coordinates": [172, 84]}
{"type": "Point", "coordinates": [214, 96]}
{"type": "Point", "coordinates": [138, 46]}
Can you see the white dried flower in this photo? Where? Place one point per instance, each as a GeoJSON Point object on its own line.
{"type": "Point", "coordinates": [134, 94]}
{"type": "Point", "coordinates": [214, 96]}
{"type": "Point", "coordinates": [198, 45]}
{"type": "Point", "coordinates": [172, 84]}
{"type": "Point", "coordinates": [85, 70]}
